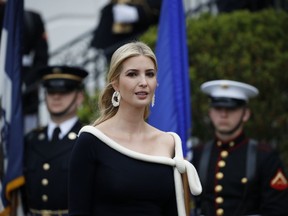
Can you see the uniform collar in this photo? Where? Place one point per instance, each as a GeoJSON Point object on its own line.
{"type": "Point", "coordinates": [230, 143]}
{"type": "Point", "coordinates": [65, 127]}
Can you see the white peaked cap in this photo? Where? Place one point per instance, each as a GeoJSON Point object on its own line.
{"type": "Point", "coordinates": [229, 89]}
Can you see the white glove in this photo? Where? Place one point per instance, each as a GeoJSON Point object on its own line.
{"type": "Point", "coordinates": [123, 13]}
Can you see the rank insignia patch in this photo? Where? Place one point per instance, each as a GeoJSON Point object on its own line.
{"type": "Point", "coordinates": [279, 182]}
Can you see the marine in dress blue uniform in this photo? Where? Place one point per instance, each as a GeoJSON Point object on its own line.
{"type": "Point", "coordinates": [239, 175]}
{"type": "Point", "coordinates": [46, 160]}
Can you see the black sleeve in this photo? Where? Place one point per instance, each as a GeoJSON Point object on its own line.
{"type": "Point", "coordinates": [81, 175]}
{"type": "Point", "coordinates": [274, 194]}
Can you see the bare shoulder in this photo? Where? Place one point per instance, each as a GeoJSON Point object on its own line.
{"type": "Point", "coordinates": [167, 138]}
{"type": "Point", "coordinates": [103, 127]}
{"type": "Point", "coordinates": [165, 142]}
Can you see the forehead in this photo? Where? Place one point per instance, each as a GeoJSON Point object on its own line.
{"type": "Point", "coordinates": [227, 109]}
{"type": "Point", "coordinates": [138, 62]}
{"type": "Point", "coordinates": [51, 92]}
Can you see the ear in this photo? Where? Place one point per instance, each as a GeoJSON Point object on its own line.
{"type": "Point", "coordinates": [80, 98]}
{"type": "Point", "coordinates": [247, 114]}
{"type": "Point", "coordinates": [115, 85]}
{"type": "Point", "coordinates": [209, 112]}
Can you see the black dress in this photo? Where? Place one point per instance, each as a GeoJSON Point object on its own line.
{"type": "Point", "coordinates": [107, 179]}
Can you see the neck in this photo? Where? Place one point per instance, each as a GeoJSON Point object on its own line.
{"type": "Point", "coordinates": [60, 119]}
{"type": "Point", "coordinates": [228, 137]}
{"type": "Point", "coordinates": [128, 122]}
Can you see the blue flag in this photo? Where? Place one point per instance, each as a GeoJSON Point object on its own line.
{"type": "Point", "coordinates": [11, 126]}
{"type": "Point", "coordinates": [171, 111]}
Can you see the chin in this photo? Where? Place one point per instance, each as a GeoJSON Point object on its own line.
{"type": "Point", "coordinates": [223, 130]}
{"type": "Point", "coordinates": [55, 111]}
{"type": "Point", "coordinates": [141, 105]}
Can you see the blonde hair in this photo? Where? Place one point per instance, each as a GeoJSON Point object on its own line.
{"type": "Point", "coordinates": [132, 49]}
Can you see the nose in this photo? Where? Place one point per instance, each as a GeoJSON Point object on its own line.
{"type": "Point", "coordinates": [223, 112]}
{"type": "Point", "coordinates": [142, 81]}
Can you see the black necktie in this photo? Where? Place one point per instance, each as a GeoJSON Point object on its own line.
{"type": "Point", "coordinates": [55, 135]}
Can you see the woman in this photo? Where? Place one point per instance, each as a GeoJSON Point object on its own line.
{"type": "Point", "coordinates": [122, 165]}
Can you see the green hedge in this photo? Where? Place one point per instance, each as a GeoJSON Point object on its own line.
{"type": "Point", "coordinates": [243, 46]}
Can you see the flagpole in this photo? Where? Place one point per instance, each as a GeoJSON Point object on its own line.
{"type": "Point", "coordinates": [14, 203]}
{"type": "Point", "coordinates": [186, 193]}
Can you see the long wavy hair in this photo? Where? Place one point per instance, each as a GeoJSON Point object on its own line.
{"type": "Point", "coordinates": [132, 49]}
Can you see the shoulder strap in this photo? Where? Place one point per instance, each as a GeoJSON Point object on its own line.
{"type": "Point", "coordinates": [204, 161]}
{"type": "Point", "coordinates": [251, 159]}
{"type": "Point", "coordinates": [29, 23]}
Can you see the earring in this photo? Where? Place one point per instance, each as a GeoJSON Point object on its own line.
{"type": "Point", "coordinates": [116, 99]}
{"type": "Point", "coordinates": [153, 101]}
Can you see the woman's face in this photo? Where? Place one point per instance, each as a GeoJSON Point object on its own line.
{"type": "Point", "coordinates": [137, 81]}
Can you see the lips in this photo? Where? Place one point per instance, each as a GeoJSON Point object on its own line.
{"type": "Point", "coordinates": [141, 93]}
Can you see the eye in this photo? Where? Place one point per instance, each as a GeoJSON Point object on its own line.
{"type": "Point", "coordinates": [131, 74]}
{"type": "Point", "coordinates": [150, 73]}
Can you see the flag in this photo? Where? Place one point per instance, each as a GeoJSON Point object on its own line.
{"type": "Point", "coordinates": [171, 111]}
{"type": "Point", "coordinates": [11, 126]}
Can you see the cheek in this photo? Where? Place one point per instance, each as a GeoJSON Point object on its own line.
{"type": "Point", "coordinates": [48, 99]}
{"type": "Point", "coordinates": [80, 100]}
{"type": "Point", "coordinates": [69, 99]}
{"type": "Point", "coordinates": [211, 114]}
{"type": "Point", "coordinates": [127, 85]}
{"type": "Point", "coordinates": [126, 88]}
{"type": "Point", "coordinates": [213, 118]}
{"type": "Point", "coordinates": [153, 84]}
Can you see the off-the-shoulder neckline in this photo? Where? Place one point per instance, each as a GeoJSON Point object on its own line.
{"type": "Point", "coordinates": [126, 151]}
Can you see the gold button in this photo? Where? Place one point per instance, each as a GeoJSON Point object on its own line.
{"type": "Point", "coordinates": [224, 154]}
{"type": "Point", "coordinates": [72, 136]}
{"type": "Point", "coordinates": [46, 166]}
{"type": "Point", "coordinates": [219, 200]}
{"type": "Point", "coordinates": [219, 143]}
{"type": "Point", "coordinates": [218, 188]}
{"type": "Point", "coordinates": [244, 180]}
{"type": "Point", "coordinates": [221, 163]}
{"type": "Point", "coordinates": [219, 175]}
{"type": "Point", "coordinates": [44, 198]}
{"type": "Point", "coordinates": [41, 136]}
{"type": "Point", "coordinates": [231, 144]}
{"type": "Point", "coordinates": [44, 181]}
{"type": "Point", "coordinates": [219, 211]}
{"type": "Point", "coordinates": [45, 213]}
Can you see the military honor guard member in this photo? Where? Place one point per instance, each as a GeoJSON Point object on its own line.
{"type": "Point", "coordinates": [48, 149]}
{"type": "Point", "coordinates": [239, 175]}
{"type": "Point", "coordinates": [123, 21]}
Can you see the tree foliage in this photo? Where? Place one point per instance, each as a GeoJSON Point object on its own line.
{"type": "Point", "coordinates": [247, 47]}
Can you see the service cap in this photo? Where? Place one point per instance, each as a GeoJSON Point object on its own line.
{"type": "Point", "coordinates": [62, 78]}
{"type": "Point", "coordinates": [228, 93]}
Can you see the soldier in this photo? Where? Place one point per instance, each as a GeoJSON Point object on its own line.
{"type": "Point", "coordinates": [123, 21]}
{"type": "Point", "coordinates": [239, 175]}
{"type": "Point", "coordinates": [47, 149]}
